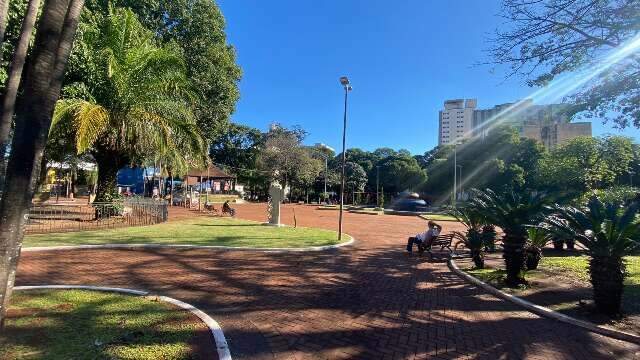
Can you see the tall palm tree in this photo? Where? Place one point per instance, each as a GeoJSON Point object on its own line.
{"type": "Point", "coordinates": [512, 212]}
{"type": "Point", "coordinates": [135, 100]}
{"type": "Point", "coordinates": [609, 233]}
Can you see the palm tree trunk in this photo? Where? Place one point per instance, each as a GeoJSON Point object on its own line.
{"type": "Point", "coordinates": [607, 278]}
{"type": "Point", "coordinates": [514, 258]}
{"type": "Point", "coordinates": [43, 80]}
{"type": "Point", "coordinates": [108, 165]}
{"type": "Point", "coordinates": [7, 108]}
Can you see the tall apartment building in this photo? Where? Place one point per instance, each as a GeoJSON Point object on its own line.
{"type": "Point", "coordinates": [456, 121]}
{"type": "Point", "coordinates": [548, 124]}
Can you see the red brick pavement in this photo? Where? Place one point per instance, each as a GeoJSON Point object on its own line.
{"type": "Point", "coordinates": [369, 301]}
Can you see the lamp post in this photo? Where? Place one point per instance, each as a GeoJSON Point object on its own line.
{"type": "Point", "coordinates": [326, 163]}
{"type": "Point", "coordinates": [377, 186]}
{"type": "Point", "coordinates": [344, 81]}
{"type": "Point", "coordinates": [455, 173]}
{"type": "Point", "coordinates": [460, 182]}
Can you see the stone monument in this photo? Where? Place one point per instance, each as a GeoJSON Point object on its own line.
{"type": "Point", "coordinates": [276, 194]}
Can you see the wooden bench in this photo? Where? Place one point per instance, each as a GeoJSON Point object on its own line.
{"type": "Point", "coordinates": [444, 241]}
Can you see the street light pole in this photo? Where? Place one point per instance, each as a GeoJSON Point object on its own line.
{"type": "Point", "coordinates": [377, 186]}
{"type": "Point", "coordinates": [460, 182]}
{"type": "Point", "coordinates": [326, 171]}
{"type": "Point", "coordinates": [455, 173]}
{"type": "Point", "coordinates": [347, 87]}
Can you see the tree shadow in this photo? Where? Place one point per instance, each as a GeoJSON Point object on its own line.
{"type": "Point", "coordinates": [355, 303]}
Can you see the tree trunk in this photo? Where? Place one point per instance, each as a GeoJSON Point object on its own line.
{"type": "Point", "coordinates": [514, 257]}
{"type": "Point", "coordinates": [108, 165]}
{"type": "Point", "coordinates": [7, 108]}
{"type": "Point", "coordinates": [43, 80]}
{"type": "Point", "coordinates": [4, 11]}
{"type": "Point", "coordinates": [607, 278]}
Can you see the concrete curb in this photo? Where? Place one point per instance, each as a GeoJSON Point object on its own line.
{"type": "Point", "coordinates": [221, 342]}
{"type": "Point", "coordinates": [544, 311]}
{"type": "Point", "coordinates": [188, 247]}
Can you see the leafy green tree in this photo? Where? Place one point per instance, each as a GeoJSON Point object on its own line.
{"type": "Point", "coordinates": [197, 27]}
{"type": "Point", "coordinates": [608, 233]}
{"type": "Point", "coordinates": [585, 163]}
{"type": "Point", "coordinates": [500, 160]}
{"type": "Point", "coordinates": [134, 100]}
{"type": "Point", "coordinates": [236, 150]}
{"type": "Point", "coordinates": [355, 177]}
{"type": "Point", "coordinates": [548, 38]}
{"type": "Point", "coordinates": [399, 172]}
{"type": "Point", "coordinates": [282, 154]}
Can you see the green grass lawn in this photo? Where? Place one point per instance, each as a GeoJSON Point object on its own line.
{"type": "Point", "coordinates": [196, 231]}
{"type": "Point", "coordinates": [438, 217]}
{"type": "Point", "coordinates": [73, 324]}
{"type": "Point", "coordinates": [578, 266]}
{"type": "Point", "coordinates": [573, 266]}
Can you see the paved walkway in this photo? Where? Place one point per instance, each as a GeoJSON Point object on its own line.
{"type": "Point", "coordinates": [368, 301]}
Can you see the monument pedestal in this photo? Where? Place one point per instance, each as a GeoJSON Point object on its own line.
{"type": "Point", "coordinates": [276, 194]}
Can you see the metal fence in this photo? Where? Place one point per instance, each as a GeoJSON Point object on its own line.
{"type": "Point", "coordinates": [53, 218]}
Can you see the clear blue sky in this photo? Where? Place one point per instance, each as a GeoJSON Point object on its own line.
{"type": "Point", "coordinates": [404, 58]}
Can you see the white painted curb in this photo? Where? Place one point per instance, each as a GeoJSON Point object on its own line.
{"type": "Point", "coordinates": [188, 247]}
{"type": "Point", "coordinates": [221, 342]}
{"type": "Point", "coordinates": [544, 311]}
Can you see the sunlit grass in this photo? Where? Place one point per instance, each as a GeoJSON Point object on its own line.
{"type": "Point", "coordinates": [73, 324]}
{"type": "Point", "coordinates": [578, 267]}
{"type": "Point", "coordinates": [197, 231]}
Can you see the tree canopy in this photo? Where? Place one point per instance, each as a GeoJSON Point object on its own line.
{"type": "Point", "coordinates": [134, 99]}
{"type": "Point", "coordinates": [547, 38]}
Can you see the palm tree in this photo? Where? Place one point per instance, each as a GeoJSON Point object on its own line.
{"type": "Point", "coordinates": [538, 238]}
{"type": "Point", "coordinates": [609, 233]}
{"type": "Point", "coordinates": [473, 238]}
{"type": "Point", "coordinates": [512, 212]}
{"type": "Point", "coordinates": [135, 100]}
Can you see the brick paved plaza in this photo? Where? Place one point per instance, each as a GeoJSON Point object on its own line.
{"type": "Point", "coordinates": [366, 301]}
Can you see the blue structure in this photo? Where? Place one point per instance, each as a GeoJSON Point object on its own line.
{"type": "Point", "coordinates": [133, 178]}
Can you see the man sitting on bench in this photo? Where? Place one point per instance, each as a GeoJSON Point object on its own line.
{"type": "Point", "coordinates": [227, 209]}
{"type": "Point", "coordinates": [426, 237]}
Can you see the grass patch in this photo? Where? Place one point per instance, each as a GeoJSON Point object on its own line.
{"type": "Point", "coordinates": [578, 267]}
{"type": "Point", "coordinates": [438, 217]}
{"type": "Point", "coordinates": [197, 231]}
{"type": "Point", "coordinates": [71, 324]}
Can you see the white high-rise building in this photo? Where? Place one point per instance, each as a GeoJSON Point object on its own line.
{"type": "Point", "coordinates": [456, 121]}
{"type": "Point", "coordinates": [548, 124]}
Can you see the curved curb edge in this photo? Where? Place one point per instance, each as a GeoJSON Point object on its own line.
{"type": "Point", "coordinates": [221, 342]}
{"type": "Point", "coordinates": [189, 247]}
{"type": "Point", "coordinates": [544, 311]}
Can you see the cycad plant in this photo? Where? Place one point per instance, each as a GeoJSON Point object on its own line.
{"type": "Point", "coordinates": [489, 235]}
{"type": "Point", "coordinates": [537, 239]}
{"type": "Point", "coordinates": [134, 99]}
{"type": "Point", "coordinates": [473, 238]}
{"type": "Point", "coordinates": [512, 212]}
{"type": "Point", "coordinates": [608, 232]}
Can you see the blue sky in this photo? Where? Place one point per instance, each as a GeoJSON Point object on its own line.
{"type": "Point", "coordinates": [404, 58]}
